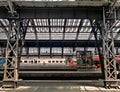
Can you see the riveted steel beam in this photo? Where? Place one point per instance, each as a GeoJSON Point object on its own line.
{"type": "Point", "coordinates": [11, 66]}
{"type": "Point", "coordinates": [110, 71]}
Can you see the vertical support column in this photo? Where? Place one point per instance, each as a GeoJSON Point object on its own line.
{"type": "Point", "coordinates": [39, 52]}
{"type": "Point", "coordinates": [27, 52]}
{"type": "Point", "coordinates": [85, 49]}
{"type": "Point", "coordinates": [96, 29]}
{"type": "Point", "coordinates": [110, 72]}
{"type": "Point", "coordinates": [117, 52]}
{"type": "Point", "coordinates": [62, 51]}
{"type": "Point", "coordinates": [11, 66]}
{"type": "Point", "coordinates": [50, 51]}
{"type": "Point", "coordinates": [96, 53]}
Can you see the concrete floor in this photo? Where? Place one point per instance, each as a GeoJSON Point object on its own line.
{"type": "Point", "coordinates": [61, 86]}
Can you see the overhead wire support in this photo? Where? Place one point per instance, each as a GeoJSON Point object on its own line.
{"type": "Point", "coordinates": [11, 68]}
{"type": "Point", "coordinates": [110, 72]}
{"type": "Point", "coordinates": [49, 23]}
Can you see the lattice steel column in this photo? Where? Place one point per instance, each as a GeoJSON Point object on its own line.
{"type": "Point", "coordinates": [11, 66]}
{"type": "Point", "coordinates": [109, 54]}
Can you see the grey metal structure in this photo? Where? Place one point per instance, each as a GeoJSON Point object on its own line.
{"type": "Point", "coordinates": [62, 24]}
{"type": "Point", "coordinates": [11, 66]}
{"type": "Point", "coordinates": [110, 71]}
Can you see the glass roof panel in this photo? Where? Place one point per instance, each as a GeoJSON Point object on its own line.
{"type": "Point", "coordinates": [70, 36]}
{"type": "Point", "coordinates": [86, 30]}
{"type": "Point", "coordinates": [83, 36]}
{"type": "Point", "coordinates": [71, 29]}
{"type": "Point", "coordinates": [44, 22]}
{"type": "Point", "coordinates": [89, 30]}
{"type": "Point", "coordinates": [30, 36]}
{"type": "Point", "coordinates": [82, 29]}
{"type": "Point", "coordinates": [56, 22]}
{"type": "Point", "coordinates": [43, 29]}
{"type": "Point", "coordinates": [72, 22]}
{"type": "Point", "coordinates": [56, 36]}
{"type": "Point", "coordinates": [43, 36]}
{"type": "Point", "coordinates": [86, 22]}
{"type": "Point", "coordinates": [3, 36]}
{"type": "Point", "coordinates": [41, 22]}
{"type": "Point", "coordinates": [30, 30]}
{"type": "Point", "coordinates": [56, 29]}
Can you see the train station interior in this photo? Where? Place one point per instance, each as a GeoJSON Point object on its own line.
{"type": "Point", "coordinates": [60, 45]}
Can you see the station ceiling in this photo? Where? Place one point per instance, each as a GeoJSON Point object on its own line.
{"type": "Point", "coordinates": [68, 31]}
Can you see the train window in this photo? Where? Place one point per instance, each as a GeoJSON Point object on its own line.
{"type": "Point", "coordinates": [56, 61]}
{"type": "Point", "coordinates": [60, 61]}
{"type": "Point", "coordinates": [25, 61]}
{"type": "Point", "coordinates": [49, 61]}
{"type": "Point", "coordinates": [35, 61]}
{"type": "Point", "coordinates": [53, 61]}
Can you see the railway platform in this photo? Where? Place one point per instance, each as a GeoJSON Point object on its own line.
{"type": "Point", "coordinates": [61, 86]}
{"type": "Point", "coordinates": [28, 74]}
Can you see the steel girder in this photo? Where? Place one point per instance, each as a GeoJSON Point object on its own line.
{"type": "Point", "coordinates": [11, 66]}
{"type": "Point", "coordinates": [39, 49]}
{"type": "Point", "coordinates": [27, 52]}
{"type": "Point", "coordinates": [110, 72]}
{"type": "Point", "coordinates": [55, 13]}
{"type": "Point", "coordinates": [96, 30]}
{"type": "Point", "coordinates": [60, 43]}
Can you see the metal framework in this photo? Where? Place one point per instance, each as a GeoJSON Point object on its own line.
{"type": "Point", "coordinates": [110, 72]}
{"type": "Point", "coordinates": [45, 20]}
{"type": "Point", "coordinates": [11, 66]}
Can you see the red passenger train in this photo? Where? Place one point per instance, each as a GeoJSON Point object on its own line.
{"type": "Point", "coordinates": [96, 60]}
